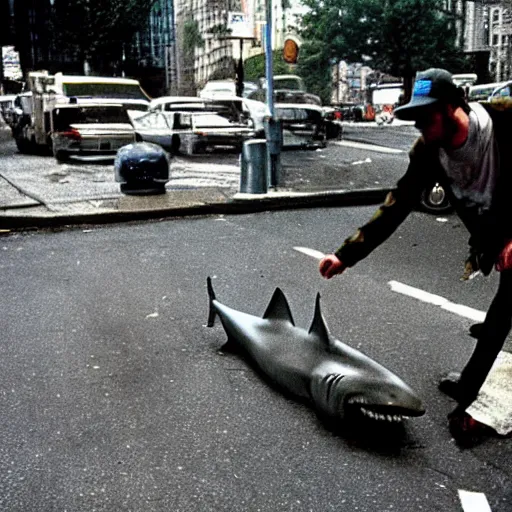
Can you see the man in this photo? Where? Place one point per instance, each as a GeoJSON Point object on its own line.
{"type": "Point", "coordinates": [465, 148]}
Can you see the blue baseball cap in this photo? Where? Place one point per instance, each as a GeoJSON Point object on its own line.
{"type": "Point", "coordinates": [430, 86]}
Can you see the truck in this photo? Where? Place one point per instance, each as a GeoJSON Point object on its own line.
{"type": "Point", "coordinates": [31, 122]}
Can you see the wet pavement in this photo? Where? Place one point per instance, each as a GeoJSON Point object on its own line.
{"type": "Point", "coordinates": [37, 191]}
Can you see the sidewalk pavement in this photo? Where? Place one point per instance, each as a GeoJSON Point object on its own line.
{"type": "Point", "coordinates": [31, 197]}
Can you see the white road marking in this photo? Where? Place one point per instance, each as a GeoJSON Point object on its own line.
{"type": "Point", "coordinates": [369, 147]}
{"type": "Point", "coordinates": [416, 293]}
{"type": "Point", "coordinates": [310, 252]}
{"type": "Point", "coordinates": [437, 300]}
{"type": "Point", "coordinates": [474, 501]}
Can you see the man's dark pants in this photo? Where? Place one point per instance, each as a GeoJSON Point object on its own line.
{"type": "Point", "coordinates": [494, 332]}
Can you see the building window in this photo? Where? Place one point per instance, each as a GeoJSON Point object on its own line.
{"type": "Point", "coordinates": [494, 40]}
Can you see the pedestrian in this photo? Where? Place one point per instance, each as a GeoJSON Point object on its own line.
{"type": "Point", "coordinates": [466, 148]}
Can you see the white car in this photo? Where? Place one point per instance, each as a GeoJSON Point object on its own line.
{"type": "Point", "coordinates": [225, 88]}
{"type": "Point", "coordinates": [191, 132]}
{"type": "Point", "coordinates": [177, 103]}
{"type": "Point", "coordinates": [92, 131]}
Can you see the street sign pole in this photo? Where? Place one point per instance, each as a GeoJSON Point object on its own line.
{"type": "Point", "coordinates": [272, 126]}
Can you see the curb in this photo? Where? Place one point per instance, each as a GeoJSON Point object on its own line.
{"type": "Point", "coordinates": [239, 204]}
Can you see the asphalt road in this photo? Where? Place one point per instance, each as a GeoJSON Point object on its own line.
{"type": "Point", "coordinates": [115, 395]}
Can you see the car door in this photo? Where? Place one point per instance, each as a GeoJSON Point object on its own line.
{"type": "Point", "coordinates": [154, 127]}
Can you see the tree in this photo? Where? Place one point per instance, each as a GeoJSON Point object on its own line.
{"type": "Point", "coordinates": [315, 69]}
{"type": "Point", "coordinates": [254, 67]}
{"type": "Point", "coordinates": [398, 37]}
{"type": "Point", "coordinates": [95, 30]}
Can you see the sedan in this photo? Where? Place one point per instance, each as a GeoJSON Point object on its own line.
{"type": "Point", "coordinates": [191, 132]}
{"type": "Point", "coordinates": [90, 132]}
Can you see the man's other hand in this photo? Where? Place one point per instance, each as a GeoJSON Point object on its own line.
{"type": "Point", "coordinates": [331, 265]}
{"type": "Point", "coordinates": [505, 258]}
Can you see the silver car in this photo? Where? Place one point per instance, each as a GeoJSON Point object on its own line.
{"type": "Point", "coordinates": [92, 131]}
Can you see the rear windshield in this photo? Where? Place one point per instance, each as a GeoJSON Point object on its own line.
{"type": "Point", "coordinates": [64, 117]}
{"type": "Point", "coordinates": [104, 90]}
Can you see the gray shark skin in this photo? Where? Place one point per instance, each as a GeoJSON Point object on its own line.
{"type": "Point", "coordinates": [311, 364]}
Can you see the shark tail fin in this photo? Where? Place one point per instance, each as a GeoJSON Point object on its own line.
{"type": "Point", "coordinates": [211, 297]}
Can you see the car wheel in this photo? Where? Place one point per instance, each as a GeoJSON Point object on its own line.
{"type": "Point", "coordinates": [23, 145]}
{"type": "Point", "coordinates": [61, 156]}
{"type": "Point", "coordinates": [175, 144]}
{"type": "Point", "coordinates": [435, 200]}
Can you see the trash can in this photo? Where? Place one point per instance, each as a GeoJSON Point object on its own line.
{"type": "Point", "coordinates": [142, 168]}
{"type": "Point", "coordinates": [253, 167]}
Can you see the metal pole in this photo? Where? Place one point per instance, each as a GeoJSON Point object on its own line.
{"type": "Point", "coordinates": [272, 126]}
{"type": "Point", "coordinates": [268, 58]}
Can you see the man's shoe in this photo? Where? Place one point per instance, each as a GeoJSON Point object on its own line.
{"type": "Point", "coordinates": [449, 385]}
{"type": "Point", "coordinates": [475, 330]}
{"type": "Point", "coordinates": [467, 431]}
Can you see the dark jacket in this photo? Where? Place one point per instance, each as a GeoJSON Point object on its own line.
{"type": "Point", "coordinates": [488, 231]}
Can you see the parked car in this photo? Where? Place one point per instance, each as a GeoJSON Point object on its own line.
{"type": "Point", "coordinates": [502, 93]}
{"type": "Point", "coordinates": [191, 132]}
{"type": "Point", "coordinates": [303, 125]}
{"type": "Point", "coordinates": [158, 127]}
{"type": "Point", "coordinates": [482, 92]}
{"type": "Point", "coordinates": [7, 108]}
{"type": "Point", "coordinates": [90, 131]}
{"type": "Point", "coordinates": [435, 200]}
{"type": "Point", "coordinates": [212, 131]}
{"type": "Point", "coordinates": [177, 103]}
{"type": "Point", "coordinates": [222, 88]}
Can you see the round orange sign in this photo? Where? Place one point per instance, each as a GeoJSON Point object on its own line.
{"type": "Point", "coordinates": [290, 51]}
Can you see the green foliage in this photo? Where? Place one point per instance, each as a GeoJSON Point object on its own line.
{"type": "Point", "coordinates": [314, 68]}
{"type": "Point", "coordinates": [192, 37]}
{"type": "Point", "coordinates": [254, 67]}
{"type": "Point", "coordinates": [397, 37]}
{"type": "Point", "coordinates": [220, 29]}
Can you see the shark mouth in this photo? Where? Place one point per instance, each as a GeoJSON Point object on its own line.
{"type": "Point", "coordinates": [388, 414]}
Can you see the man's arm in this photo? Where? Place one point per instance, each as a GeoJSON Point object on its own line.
{"type": "Point", "coordinates": [397, 206]}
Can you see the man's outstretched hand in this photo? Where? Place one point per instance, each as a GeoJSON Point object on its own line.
{"type": "Point", "coordinates": [330, 266]}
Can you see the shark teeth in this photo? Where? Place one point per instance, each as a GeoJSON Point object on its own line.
{"type": "Point", "coordinates": [357, 400]}
{"type": "Point", "coordinates": [381, 417]}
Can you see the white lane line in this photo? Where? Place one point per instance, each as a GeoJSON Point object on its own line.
{"type": "Point", "coordinates": [416, 293]}
{"type": "Point", "coordinates": [310, 252]}
{"type": "Point", "coordinates": [437, 300]}
{"type": "Point", "coordinates": [474, 501]}
{"type": "Point", "coordinates": [369, 147]}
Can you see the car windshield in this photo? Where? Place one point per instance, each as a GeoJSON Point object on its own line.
{"type": "Point", "coordinates": [104, 90]}
{"type": "Point", "coordinates": [64, 117]}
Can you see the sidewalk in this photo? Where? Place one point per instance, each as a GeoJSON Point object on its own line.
{"type": "Point", "coordinates": [87, 194]}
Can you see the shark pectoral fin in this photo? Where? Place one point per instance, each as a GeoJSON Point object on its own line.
{"type": "Point", "coordinates": [278, 308]}
{"type": "Point", "coordinates": [318, 325]}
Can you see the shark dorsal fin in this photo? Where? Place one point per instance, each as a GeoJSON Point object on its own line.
{"type": "Point", "coordinates": [318, 325]}
{"type": "Point", "coordinates": [278, 308]}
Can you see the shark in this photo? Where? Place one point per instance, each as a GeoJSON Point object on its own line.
{"type": "Point", "coordinates": [339, 381]}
